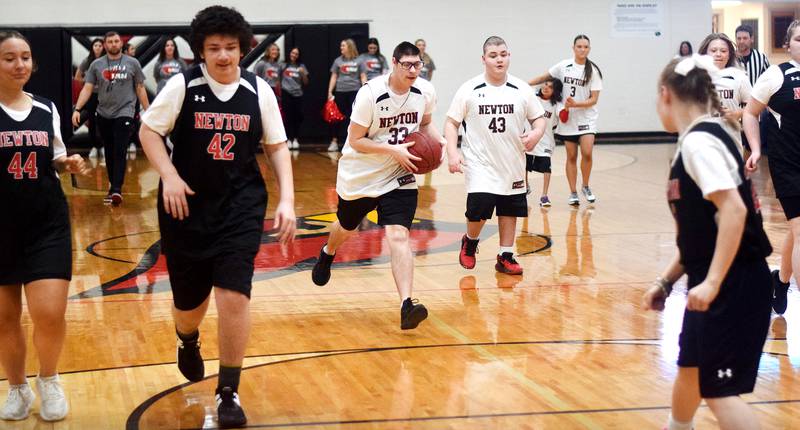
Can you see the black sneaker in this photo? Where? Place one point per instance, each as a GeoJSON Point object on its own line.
{"type": "Point", "coordinates": [411, 314]}
{"type": "Point", "coordinates": [229, 411]}
{"type": "Point", "coordinates": [190, 362]}
{"type": "Point", "coordinates": [779, 291]}
{"type": "Point", "coordinates": [321, 273]}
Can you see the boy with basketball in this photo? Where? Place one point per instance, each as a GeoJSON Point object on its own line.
{"type": "Point", "coordinates": [376, 170]}
{"type": "Point", "coordinates": [212, 197]}
{"type": "Point", "coordinates": [494, 108]}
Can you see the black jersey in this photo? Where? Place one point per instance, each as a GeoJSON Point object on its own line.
{"type": "Point", "coordinates": [214, 146]}
{"type": "Point", "coordinates": [696, 216]}
{"type": "Point", "coordinates": [784, 153]}
{"type": "Point", "coordinates": [28, 180]}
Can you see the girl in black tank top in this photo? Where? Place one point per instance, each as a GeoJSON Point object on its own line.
{"type": "Point", "coordinates": [35, 241]}
{"type": "Point", "coordinates": [722, 248]}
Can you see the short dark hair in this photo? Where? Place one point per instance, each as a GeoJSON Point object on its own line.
{"type": "Point", "coordinates": [493, 41]}
{"type": "Point", "coordinates": [405, 48]}
{"type": "Point", "coordinates": [744, 27]}
{"type": "Point", "coordinates": [219, 20]}
{"type": "Point", "coordinates": [110, 34]}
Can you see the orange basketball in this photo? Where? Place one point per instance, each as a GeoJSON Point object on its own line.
{"type": "Point", "coordinates": [429, 150]}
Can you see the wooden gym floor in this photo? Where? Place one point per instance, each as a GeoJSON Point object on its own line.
{"type": "Point", "coordinates": [565, 346]}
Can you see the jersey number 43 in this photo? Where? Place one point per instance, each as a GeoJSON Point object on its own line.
{"type": "Point", "coordinates": [498, 125]}
{"type": "Point", "coordinates": [219, 152]}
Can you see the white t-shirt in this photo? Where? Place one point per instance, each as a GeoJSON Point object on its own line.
{"type": "Point", "coordinates": [547, 143]}
{"type": "Point", "coordinates": [164, 110]}
{"type": "Point", "coordinates": [390, 118]}
{"type": "Point", "coordinates": [59, 149]}
{"type": "Point", "coordinates": [581, 120]}
{"type": "Point", "coordinates": [769, 83]}
{"type": "Point", "coordinates": [494, 118]}
{"type": "Point", "coordinates": [707, 161]}
{"type": "Point", "coordinates": [733, 87]}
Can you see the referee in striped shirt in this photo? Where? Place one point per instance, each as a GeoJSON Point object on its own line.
{"type": "Point", "coordinates": [755, 62]}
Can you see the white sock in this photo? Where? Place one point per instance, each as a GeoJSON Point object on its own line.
{"type": "Point", "coordinates": [49, 378]}
{"type": "Point", "coordinates": [325, 249]}
{"type": "Point", "coordinates": [677, 425]}
{"type": "Point", "coordinates": [471, 238]}
{"type": "Point", "coordinates": [504, 249]}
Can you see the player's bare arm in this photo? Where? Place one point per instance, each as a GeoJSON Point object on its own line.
{"type": "Point", "coordinates": [455, 162]}
{"type": "Point", "coordinates": [532, 137]}
{"type": "Point", "coordinates": [281, 162]}
{"type": "Point", "coordinates": [539, 79]}
{"type": "Point", "coordinates": [174, 188]}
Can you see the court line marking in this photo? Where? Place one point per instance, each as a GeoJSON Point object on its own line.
{"type": "Point", "coordinates": [133, 419]}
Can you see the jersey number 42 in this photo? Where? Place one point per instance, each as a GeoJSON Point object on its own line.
{"type": "Point", "coordinates": [219, 152]}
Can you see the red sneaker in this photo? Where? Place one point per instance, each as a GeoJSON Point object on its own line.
{"type": "Point", "coordinates": [507, 264]}
{"type": "Point", "coordinates": [467, 255]}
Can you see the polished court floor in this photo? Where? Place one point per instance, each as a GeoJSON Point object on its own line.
{"type": "Point", "coordinates": [565, 346]}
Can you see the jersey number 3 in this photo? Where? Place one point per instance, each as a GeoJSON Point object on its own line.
{"type": "Point", "coordinates": [498, 125]}
{"type": "Point", "coordinates": [16, 168]}
{"type": "Point", "coordinates": [216, 149]}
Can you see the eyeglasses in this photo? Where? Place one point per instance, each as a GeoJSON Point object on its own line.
{"type": "Point", "coordinates": [407, 65]}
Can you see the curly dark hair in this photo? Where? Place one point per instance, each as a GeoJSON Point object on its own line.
{"type": "Point", "coordinates": [219, 20]}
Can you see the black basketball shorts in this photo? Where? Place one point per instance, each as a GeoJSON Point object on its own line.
{"type": "Point", "coordinates": [791, 206]}
{"type": "Point", "coordinates": [397, 207]}
{"type": "Point", "coordinates": [726, 341]}
{"type": "Point", "coordinates": [480, 206]}
{"type": "Point", "coordinates": [42, 253]}
{"type": "Point", "coordinates": [537, 163]}
{"type": "Point", "coordinates": [192, 280]}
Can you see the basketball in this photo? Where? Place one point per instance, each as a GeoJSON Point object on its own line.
{"type": "Point", "coordinates": [429, 150]}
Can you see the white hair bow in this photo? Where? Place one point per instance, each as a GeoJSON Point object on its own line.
{"type": "Point", "coordinates": [695, 60]}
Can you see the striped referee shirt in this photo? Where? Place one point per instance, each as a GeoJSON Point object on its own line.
{"type": "Point", "coordinates": [755, 63]}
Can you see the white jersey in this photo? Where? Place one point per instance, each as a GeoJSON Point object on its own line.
{"type": "Point", "coordinates": [733, 87]}
{"type": "Point", "coordinates": [581, 120]}
{"type": "Point", "coordinates": [390, 118]}
{"type": "Point", "coordinates": [494, 118]}
{"type": "Point", "coordinates": [547, 143]}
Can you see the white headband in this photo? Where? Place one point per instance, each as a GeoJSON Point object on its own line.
{"type": "Point", "coordinates": [702, 61]}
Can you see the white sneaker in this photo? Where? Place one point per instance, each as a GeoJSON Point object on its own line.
{"type": "Point", "coordinates": [587, 192]}
{"type": "Point", "coordinates": [54, 403]}
{"type": "Point", "coordinates": [19, 402]}
{"type": "Point", "coordinates": [93, 153]}
{"type": "Point", "coordinates": [333, 147]}
{"type": "Point", "coordinates": [573, 199]}
{"type": "Point", "coordinates": [132, 148]}
{"type": "Point", "coordinates": [102, 153]}
{"type": "Point", "coordinates": [295, 144]}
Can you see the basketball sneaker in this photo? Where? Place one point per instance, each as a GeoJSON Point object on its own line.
{"type": "Point", "coordinates": [467, 255]}
{"type": "Point", "coordinates": [18, 403]}
{"type": "Point", "coordinates": [507, 264]}
{"type": "Point", "coordinates": [412, 313]}
{"type": "Point", "coordinates": [321, 273]}
{"type": "Point", "coordinates": [544, 202]}
{"type": "Point", "coordinates": [54, 403]}
{"type": "Point", "coordinates": [333, 147]}
{"type": "Point", "coordinates": [116, 199]}
{"type": "Point", "coordinates": [132, 148]}
{"type": "Point", "coordinates": [190, 362]}
{"type": "Point", "coordinates": [587, 192]}
{"type": "Point", "coordinates": [779, 292]}
{"type": "Point", "coordinates": [229, 411]}
{"type": "Point", "coordinates": [573, 199]}
{"type": "Point", "coordinates": [93, 153]}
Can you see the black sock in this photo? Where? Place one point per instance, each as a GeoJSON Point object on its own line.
{"type": "Point", "coordinates": [229, 377]}
{"type": "Point", "coordinates": [191, 337]}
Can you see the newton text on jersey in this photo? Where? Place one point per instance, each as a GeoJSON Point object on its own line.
{"type": "Point", "coordinates": [221, 121]}
{"type": "Point", "coordinates": [24, 138]}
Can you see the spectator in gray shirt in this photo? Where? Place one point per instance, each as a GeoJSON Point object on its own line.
{"type": "Point", "coordinates": [87, 115]}
{"type": "Point", "coordinates": [293, 79]}
{"type": "Point", "coordinates": [347, 76]}
{"type": "Point", "coordinates": [168, 65]}
{"type": "Point", "coordinates": [374, 62]}
{"type": "Point", "coordinates": [427, 67]}
{"type": "Point", "coordinates": [119, 81]}
{"type": "Point", "coordinates": [268, 68]}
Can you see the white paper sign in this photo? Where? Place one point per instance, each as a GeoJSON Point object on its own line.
{"type": "Point", "coordinates": [641, 18]}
